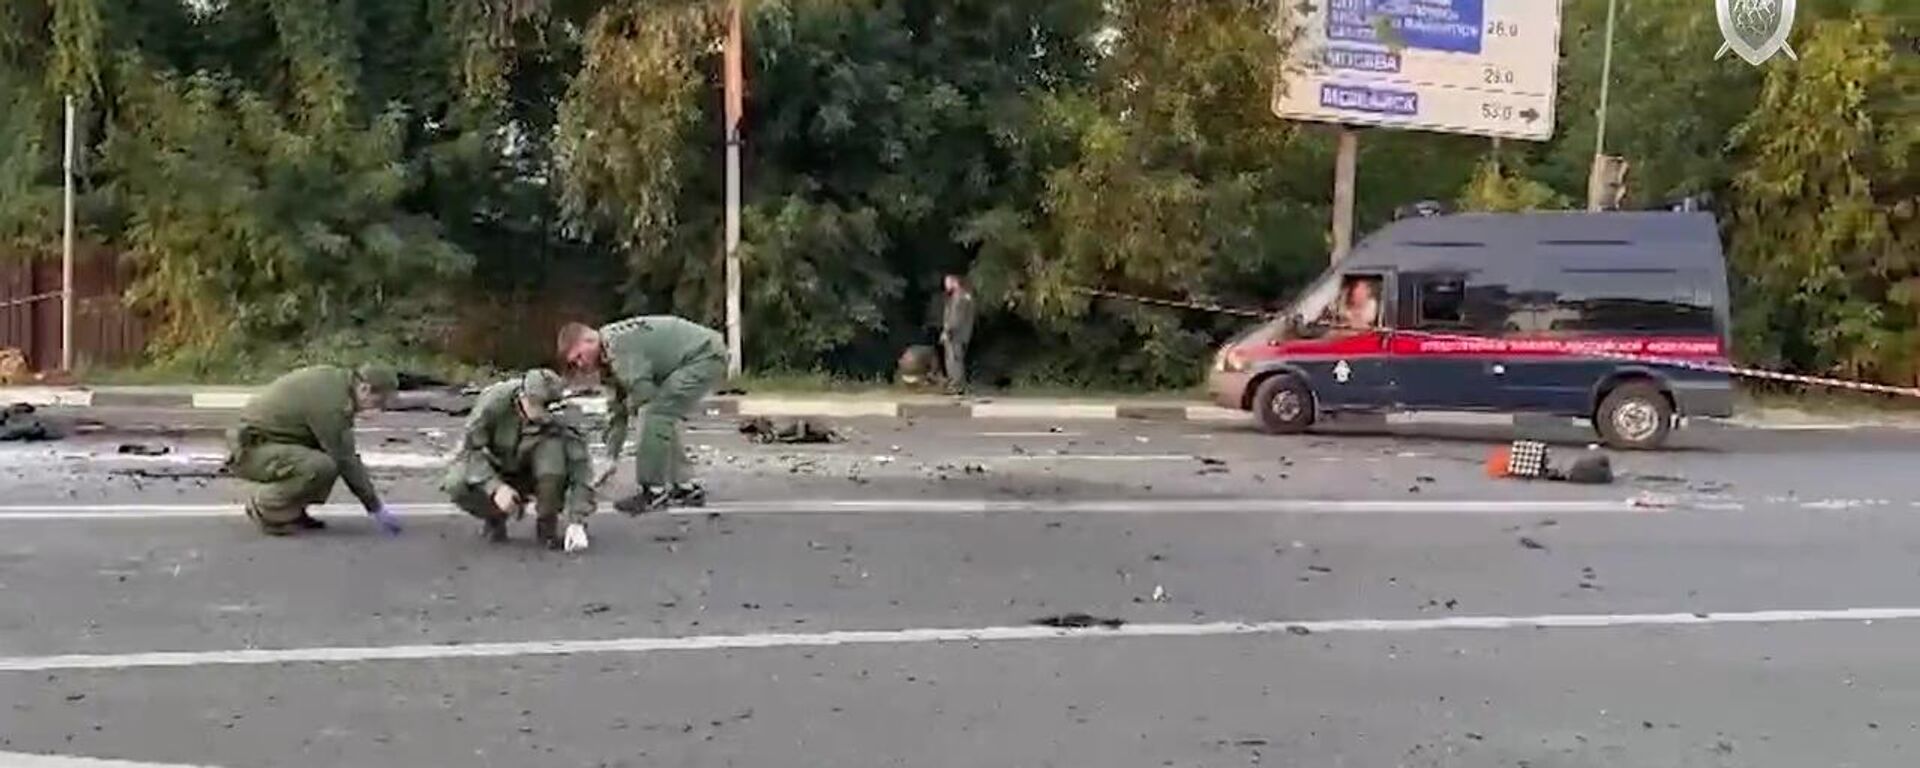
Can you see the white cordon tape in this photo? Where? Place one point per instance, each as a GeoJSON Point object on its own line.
{"type": "Point", "coordinates": [1730, 370]}
{"type": "Point", "coordinates": [1214, 308]}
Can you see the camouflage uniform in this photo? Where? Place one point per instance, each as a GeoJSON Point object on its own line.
{"type": "Point", "coordinates": [295, 439]}
{"type": "Point", "coordinates": [541, 457]}
{"type": "Point", "coordinates": [956, 331]}
{"type": "Point", "coordinates": [665, 365]}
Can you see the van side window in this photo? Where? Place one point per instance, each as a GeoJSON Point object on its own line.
{"type": "Point", "coordinates": [1440, 301]}
{"type": "Point", "coordinates": [1632, 301]}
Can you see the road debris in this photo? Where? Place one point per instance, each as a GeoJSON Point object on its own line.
{"type": "Point", "coordinates": [761, 429]}
{"type": "Point", "coordinates": [1531, 460]}
{"type": "Point", "coordinates": [1530, 543]}
{"type": "Point", "coordinates": [1160, 593]}
{"type": "Point", "coordinates": [144, 449]}
{"type": "Point", "coordinates": [1078, 621]}
{"type": "Point", "coordinates": [1298, 629]}
{"type": "Point", "coordinates": [20, 422]}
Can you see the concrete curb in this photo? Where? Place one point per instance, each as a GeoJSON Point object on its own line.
{"type": "Point", "coordinates": [228, 400]}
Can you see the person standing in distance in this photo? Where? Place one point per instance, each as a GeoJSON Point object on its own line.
{"type": "Point", "coordinates": [665, 366]}
{"type": "Point", "coordinates": [956, 331]}
{"type": "Point", "coordinates": [295, 439]}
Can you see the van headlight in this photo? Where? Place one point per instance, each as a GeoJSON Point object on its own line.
{"type": "Point", "coordinates": [1227, 360]}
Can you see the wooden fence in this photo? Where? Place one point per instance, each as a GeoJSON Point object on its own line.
{"type": "Point", "coordinates": [106, 332]}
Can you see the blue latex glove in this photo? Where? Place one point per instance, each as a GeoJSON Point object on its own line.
{"type": "Point", "coordinates": [387, 521]}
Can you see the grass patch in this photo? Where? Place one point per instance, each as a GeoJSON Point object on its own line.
{"type": "Point", "coordinates": [1826, 402]}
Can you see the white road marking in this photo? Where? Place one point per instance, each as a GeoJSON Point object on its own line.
{"type": "Point", "coordinates": [1031, 434]}
{"type": "Point", "coordinates": [19, 512]}
{"type": "Point", "coordinates": [23, 760]}
{"type": "Point", "coordinates": [1042, 411]}
{"type": "Point", "coordinates": [221, 401]}
{"type": "Point", "coordinates": [1164, 507]}
{"type": "Point", "coordinates": [417, 460]}
{"type": "Point", "coordinates": [641, 645]}
{"type": "Point", "coordinates": [48, 397]}
{"type": "Point", "coordinates": [809, 408]}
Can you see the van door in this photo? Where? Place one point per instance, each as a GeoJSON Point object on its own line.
{"type": "Point", "coordinates": [1623, 309]}
{"type": "Point", "coordinates": [1441, 360]}
{"type": "Point", "coordinates": [1345, 356]}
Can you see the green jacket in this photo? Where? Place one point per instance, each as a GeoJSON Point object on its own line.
{"type": "Point", "coordinates": [496, 438]}
{"type": "Point", "coordinates": [640, 353]}
{"type": "Point", "coordinates": [313, 407]}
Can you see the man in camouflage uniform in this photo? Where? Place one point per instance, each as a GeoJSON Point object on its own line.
{"type": "Point", "coordinates": [665, 365]}
{"type": "Point", "coordinates": [295, 439]}
{"type": "Point", "coordinates": [516, 449]}
{"type": "Point", "coordinates": [956, 332]}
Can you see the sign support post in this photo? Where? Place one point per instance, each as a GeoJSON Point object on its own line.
{"type": "Point", "coordinates": [1343, 177]}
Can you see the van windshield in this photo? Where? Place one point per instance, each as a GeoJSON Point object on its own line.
{"type": "Point", "coordinates": [1316, 303]}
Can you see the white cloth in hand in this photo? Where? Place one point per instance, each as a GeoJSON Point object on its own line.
{"type": "Point", "coordinates": [576, 538]}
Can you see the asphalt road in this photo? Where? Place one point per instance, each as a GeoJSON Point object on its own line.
{"type": "Point", "coordinates": [1359, 599]}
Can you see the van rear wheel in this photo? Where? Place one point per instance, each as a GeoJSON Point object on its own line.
{"type": "Point", "coordinates": [1635, 416]}
{"type": "Point", "coordinates": [1284, 405]}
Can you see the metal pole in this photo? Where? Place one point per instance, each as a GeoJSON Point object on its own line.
{"type": "Point", "coordinates": [1343, 172]}
{"type": "Point", "coordinates": [66, 254]}
{"type": "Point", "coordinates": [1600, 133]}
{"type": "Point", "coordinates": [734, 357]}
{"type": "Point", "coordinates": [735, 86]}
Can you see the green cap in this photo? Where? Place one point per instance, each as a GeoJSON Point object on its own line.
{"type": "Point", "coordinates": [381, 379]}
{"type": "Point", "coordinates": [542, 386]}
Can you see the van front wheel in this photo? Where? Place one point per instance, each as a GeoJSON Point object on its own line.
{"type": "Point", "coordinates": [1284, 405]}
{"type": "Point", "coordinates": [1635, 416]}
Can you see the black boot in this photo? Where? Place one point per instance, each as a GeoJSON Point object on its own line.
{"type": "Point", "coordinates": [546, 530]}
{"type": "Point", "coordinates": [494, 529]}
{"type": "Point", "coordinates": [308, 522]}
{"type": "Point", "coordinates": [688, 495]}
{"type": "Point", "coordinates": [645, 500]}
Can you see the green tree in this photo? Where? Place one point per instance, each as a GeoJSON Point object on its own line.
{"type": "Point", "coordinates": [1824, 230]}
{"type": "Point", "coordinates": [287, 234]}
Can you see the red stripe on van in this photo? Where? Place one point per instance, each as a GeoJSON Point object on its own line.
{"type": "Point", "coordinates": [1417, 344]}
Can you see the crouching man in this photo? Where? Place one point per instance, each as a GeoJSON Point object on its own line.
{"type": "Point", "coordinates": [296, 438]}
{"type": "Point", "coordinates": [516, 450]}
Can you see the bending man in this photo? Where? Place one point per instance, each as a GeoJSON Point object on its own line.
{"type": "Point", "coordinates": [666, 365]}
{"type": "Point", "coordinates": [514, 450]}
{"type": "Point", "coordinates": [296, 438]}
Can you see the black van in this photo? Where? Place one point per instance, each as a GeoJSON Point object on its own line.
{"type": "Point", "coordinates": [1620, 318]}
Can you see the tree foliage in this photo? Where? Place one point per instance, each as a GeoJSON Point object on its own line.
{"type": "Point", "coordinates": [1826, 228]}
{"type": "Point", "coordinates": [282, 171]}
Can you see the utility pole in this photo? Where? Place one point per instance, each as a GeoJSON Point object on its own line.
{"type": "Point", "coordinates": [66, 252]}
{"type": "Point", "coordinates": [1602, 169]}
{"type": "Point", "coordinates": [1343, 173]}
{"type": "Point", "coordinates": [736, 104]}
